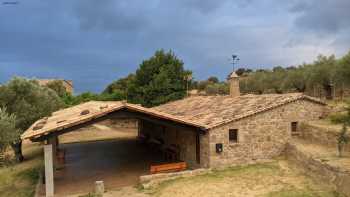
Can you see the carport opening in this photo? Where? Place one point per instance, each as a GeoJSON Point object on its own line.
{"type": "Point", "coordinates": [117, 151]}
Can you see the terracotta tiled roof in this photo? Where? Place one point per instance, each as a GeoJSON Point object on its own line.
{"type": "Point", "coordinates": [86, 112]}
{"type": "Point", "coordinates": [211, 111]}
{"type": "Point", "coordinates": [200, 111]}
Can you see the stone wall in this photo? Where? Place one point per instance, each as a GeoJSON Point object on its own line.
{"type": "Point", "coordinates": [185, 138]}
{"type": "Point", "coordinates": [128, 123]}
{"type": "Point", "coordinates": [204, 151]}
{"type": "Point", "coordinates": [124, 123]}
{"type": "Point", "coordinates": [149, 181]}
{"type": "Point", "coordinates": [323, 135]}
{"type": "Point", "coordinates": [261, 136]}
{"type": "Point", "coordinates": [317, 169]}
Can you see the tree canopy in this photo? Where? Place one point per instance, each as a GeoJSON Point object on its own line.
{"type": "Point", "coordinates": [58, 87]}
{"type": "Point", "coordinates": [159, 79]}
{"type": "Point", "coordinates": [324, 73]}
{"type": "Point", "coordinates": [27, 101]}
{"type": "Point", "coordinates": [8, 131]}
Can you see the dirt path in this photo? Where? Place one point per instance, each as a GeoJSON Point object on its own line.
{"type": "Point", "coordinates": [118, 163]}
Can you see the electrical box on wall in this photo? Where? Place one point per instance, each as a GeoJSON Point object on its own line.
{"type": "Point", "coordinates": [219, 147]}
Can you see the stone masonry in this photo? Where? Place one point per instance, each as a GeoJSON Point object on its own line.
{"type": "Point", "coordinates": [261, 136]}
{"type": "Point", "coordinates": [183, 137]}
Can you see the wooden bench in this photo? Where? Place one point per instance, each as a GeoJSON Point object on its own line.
{"type": "Point", "coordinates": [2, 159]}
{"type": "Point", "coordinates": [169, 167]}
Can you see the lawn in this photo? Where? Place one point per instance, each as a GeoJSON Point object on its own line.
{"type": "Point", "coordinates": [19, 180]}
{"type": "Point", "coordinates": [275, 179]}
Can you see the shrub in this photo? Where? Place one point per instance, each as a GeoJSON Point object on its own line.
{"type": "Point", "coordinates": [339, 118]}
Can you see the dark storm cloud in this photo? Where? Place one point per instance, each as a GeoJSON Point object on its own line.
{"type": "Point", "coordinates": [204, 6]}
{"type": "Point", "coordinates": [328, 16]}
{"type": "Point", "coordinates": [110, 15]}
{"type": "Point", "coordinates": [95, 42]}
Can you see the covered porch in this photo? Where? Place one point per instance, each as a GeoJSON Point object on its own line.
{"type": "Point", "coordinates": [159, 139]}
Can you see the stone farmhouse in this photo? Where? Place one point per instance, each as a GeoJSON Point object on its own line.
{"type": "Point", "coordinates": [68, 84]}
{"type": "Point", "coordinates": [203, 131]}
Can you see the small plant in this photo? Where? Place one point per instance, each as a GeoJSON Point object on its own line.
{"type": "Point", "coordinates": [342, 140]}
{"type": "Point", "coordinates": [339, 118]}
{"type": "Point", "coordinates": [88, 195]}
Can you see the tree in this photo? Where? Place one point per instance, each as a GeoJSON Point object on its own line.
{"type": "Point", "coordinates": [158, 80]}
{"type": "Point", "coordinates": [342, 140]}
{"type": "Point", "coordinates": [255, 83]}
{"type": "Point", "coordinates": [275, 80]}
{"type": "Point", "coordinates": [28, 102]}
{"type": "Point", "coordinates": [344, 69]}
{"type": "Point", "coordinates": [217, 89]}
{"type": "Point", "coordinates": [213, 79]}
{"type": "Point", "coordinates": [242, 71]}
{"type": "Point", "coordinates": [202, 85]}
{"type": "Point", "coordinates": [296, 79]}
{"type": "Point", "coordinates": [324, 74]}
{"type": "Point", "coordinates": [58, 87]}
{"type": "Point", "coordinates": [120, 86]}
{"type": "Point", "coordinates": [8, 131]}
{"type": "Point", "coordinates": [278, 69]}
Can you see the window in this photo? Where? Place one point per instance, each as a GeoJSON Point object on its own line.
{"type": "Point", "coordinates": [233, 135]}
{"type": "Point", "coordinates": [294, 128]}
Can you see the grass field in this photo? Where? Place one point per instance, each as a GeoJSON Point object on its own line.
{"type": "Point", "coordinates": [276, 179]}
{"type": "Point", "coordinates": [19, 180]}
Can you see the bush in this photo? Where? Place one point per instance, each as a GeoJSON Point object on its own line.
{"type": "Point", "coordinates": [8, 131]}
{"type": "Point", "coordinates": [339, 118]}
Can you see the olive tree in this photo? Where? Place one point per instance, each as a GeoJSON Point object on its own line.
{"type": "Point", "coordinates": [342, 140]}
{"type": "Point", "coordinates": [58, 87]}
{"type": "Point", "coordinates": [28, 102]}
{"type": "Point", "coordinates": [8, 131]}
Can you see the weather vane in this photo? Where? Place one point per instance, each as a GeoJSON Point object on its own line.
{"type": "Point", "coordinates": [235, 60]}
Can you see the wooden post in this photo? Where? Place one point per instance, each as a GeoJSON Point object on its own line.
{"type": "Point", "coordinates": [49, 168]}
{"type": "Point", "coordinates": [53, 141]}
{"type": "Point", "coordinates": [99, 188]}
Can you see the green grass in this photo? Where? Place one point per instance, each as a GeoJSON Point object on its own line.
{"type": "Point", "coordinates": [89, 195]}
{"type": "Point", "coordinates": [19, 180]}
{"type": "Point", "coordinates": [302, 193]}
{"type": "Point", "coordinates": [251, 175]}
{"type": "Point", "coordinates": [217, 175]}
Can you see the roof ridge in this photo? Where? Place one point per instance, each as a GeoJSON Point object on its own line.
{"type": "Point", "coordinates": [300, 96]}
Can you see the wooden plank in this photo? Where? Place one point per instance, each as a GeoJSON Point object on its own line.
{"type": "Point", "coordinates": [170, 167]}
{"type": "Point", "coordinates": [2, 159]}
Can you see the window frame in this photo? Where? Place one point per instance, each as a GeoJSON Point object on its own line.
{"type": "Point", "coordinates": [294, 128]}
{"type": "Point", "coordinates": [236, 140]}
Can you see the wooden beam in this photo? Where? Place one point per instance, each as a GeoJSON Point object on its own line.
{"type": "Point", "coordinates": [156, 120]}
{"type": "Point", "coordinates": [198, 148]}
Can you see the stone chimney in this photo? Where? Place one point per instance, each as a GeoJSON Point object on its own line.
{"type": "Point", "coordinates": [233, 80]}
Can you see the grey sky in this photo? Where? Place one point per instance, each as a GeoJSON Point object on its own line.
{"type": "Point", "coordinates": [95, 42]}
